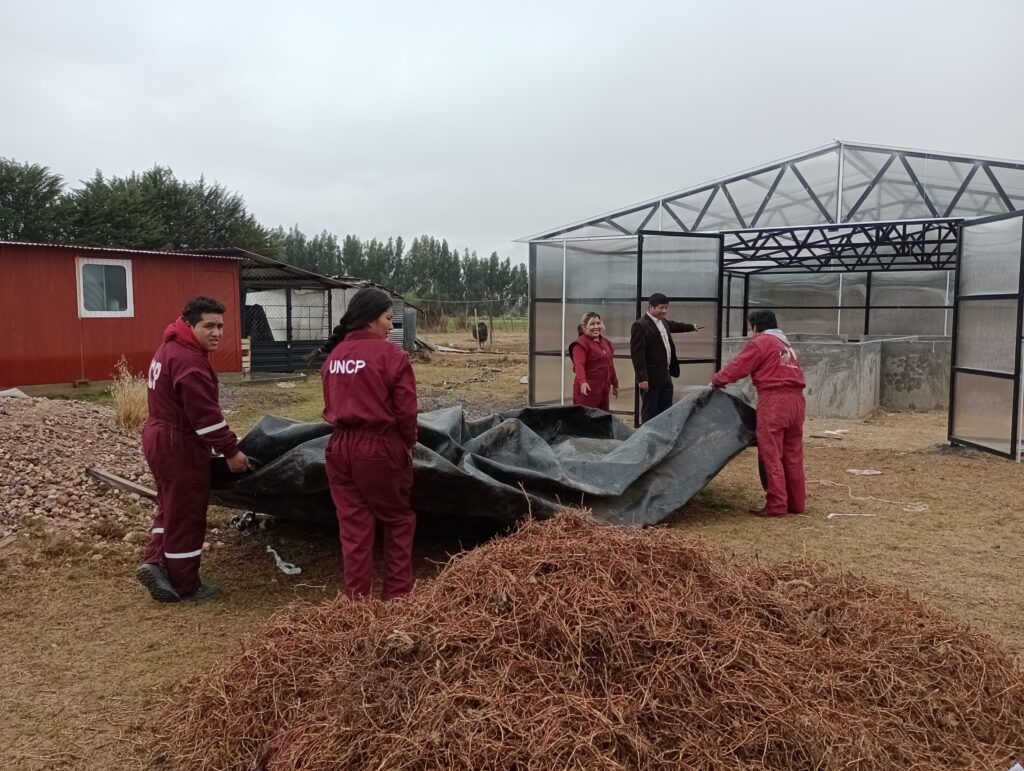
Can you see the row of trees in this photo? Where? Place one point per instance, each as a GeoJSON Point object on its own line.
{"type": "Point", "coordinates": [156, 210]}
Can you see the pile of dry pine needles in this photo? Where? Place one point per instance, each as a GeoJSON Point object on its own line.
{"type": "Point", "coordinates": [576, 646]}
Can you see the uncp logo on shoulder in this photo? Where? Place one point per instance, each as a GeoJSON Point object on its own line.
{"type": "Point", "coordinates": [155, 368]}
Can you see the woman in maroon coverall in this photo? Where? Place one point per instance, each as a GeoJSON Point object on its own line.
{"type": "Point", "coordinates": [770, 361]}
{"type": "Point", "coordinates": [370, 399]}
{"type": "Point", "coordinates": [593, 364]}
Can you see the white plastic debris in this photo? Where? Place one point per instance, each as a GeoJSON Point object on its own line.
{"type": "Point", "coordinates": [863, 472]}
{"type": "Point", "coordinates": [15, 393]}
{"type": "Point", "coordinates": [286, 567]}
{"type": "Point", "coordinates": [849, 514]}
{"type": "Point", "coordinates": [524, 380]}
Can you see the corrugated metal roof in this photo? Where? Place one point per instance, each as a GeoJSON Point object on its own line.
{"type": "Point", "coordinates": [78, 248]}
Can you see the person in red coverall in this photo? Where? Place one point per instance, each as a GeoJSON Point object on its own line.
{"type": "Point", "coordinates": [185, 428]}
{"type": "Point", "coordinates": [770, 361]}
{"type": "Point", "coordinates": [370, 399]}
{"type": "Point", "coordinates": [593, 364]}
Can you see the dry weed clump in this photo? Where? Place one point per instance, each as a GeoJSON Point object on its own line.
{"type": "Point", "coordinates": [131, 402]}
{"type": "Point", "coordinates": [575, 646]}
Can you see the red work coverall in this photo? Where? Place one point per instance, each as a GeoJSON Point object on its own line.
{"type": "Point", "coordinates": [593, 364]}
{"type": "Point", "coordinates": [772, 364]}
{"type": "Point", "coordinates": [185, 424]}
{"type": "Point", "coordinates": [370, 399]}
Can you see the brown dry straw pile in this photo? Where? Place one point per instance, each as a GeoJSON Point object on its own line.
{"type": "Point", "coordinates": [574, 646]}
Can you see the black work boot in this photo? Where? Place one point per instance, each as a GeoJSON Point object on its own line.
{"type": "Point", "coordinates": [204, 592]}
{"type": "Point", "coordinates": [154, 577]}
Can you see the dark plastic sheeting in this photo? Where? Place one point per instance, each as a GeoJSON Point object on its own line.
{"type": "Point", "coordinates": [496, 470]}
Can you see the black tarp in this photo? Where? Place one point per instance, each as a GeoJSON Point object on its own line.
{"type": "Point", "coordinates": [496, 470]}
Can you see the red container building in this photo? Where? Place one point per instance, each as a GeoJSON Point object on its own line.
{"type": "Point", "coordinates": [68, 313]}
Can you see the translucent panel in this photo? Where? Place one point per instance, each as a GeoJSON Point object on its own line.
{"type": "Point", "coordinates": [691, 375]}
{"type": "Point", "coordinates": [680, 266]}
{"type": "Point", "coordinates": [749, 193]}
{"type": "Point", "coordinates": [990, 257]}
{"type": "Point", "coordinates": [633, 220]}
{"type": "Point", "coordinates": [735, 324]}
{"type": "Point", "coordinates": [720, 215]}
{"type": "Point", "coordinates": [688, 208]}
{"type": "Point", "coordinates": [851, 323]}
{"type": "Point", "coordinates": [940, 178]}
{"type": "Point", "coordinates": [908, 321]}
{"type": "Point", "coordinates": [548, 327]}
{"type": "Point", "coordinates": [859, 169]}
{"type": "Point", "coordinates": [982, 410]}
{"type": "Point", "coordinates": [810, 320]}
{"type": "Point", "coordinates": [981, 198]}
{"type": "Point", "coordinates": [791, 204]}
{"type": "Point", "coordinates": [905, 288]}
{"type": "Point", "coordinates": [822, 174]}
{"type": "Point", "coordinates": [854, 288]}
{"type": "Point", "coordinates": [618, 317]}
{"type": "Point", "coordinates": [796, 289]}
{"type": "Point", "coordinates": [627, 386]}
{"type": "Point", "coordinates": [735, 288]}
{"type": "Point", "coordinates": [1012, 182]}
{"type": "Point", "coordinates": [547, 270]}
{"type": "Point", "coordinates": [987, 337]}
{"type": "Point", "coordinates": [596, 272]}
{"type": "Point", "coordinates": [893, 197]}
{"type": "Point", "coordinates": [548, 373]}
{"type": "Point", "coordinates": [695, 345]}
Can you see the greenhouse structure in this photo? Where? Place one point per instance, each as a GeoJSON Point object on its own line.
{"type": "Point", "coordinates": [849, 240]}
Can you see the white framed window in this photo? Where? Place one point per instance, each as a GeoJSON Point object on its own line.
{"type": "Point", "coordinates": [104, 288]}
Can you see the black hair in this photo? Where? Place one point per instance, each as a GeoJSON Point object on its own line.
{"type": "Point", "coordinates": [762, 320]}
{"type": "Point", "coordinates": [657, 299]}
{"type": "Point", "coordinates": [197, 306]}
{"type": "Point", "coordinates": [366, 306]}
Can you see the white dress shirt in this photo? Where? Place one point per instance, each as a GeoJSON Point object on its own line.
{"type": "Point", "coordinates": [664, 337]}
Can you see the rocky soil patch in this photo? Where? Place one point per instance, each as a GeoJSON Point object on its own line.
{"type": "Point", "coordinates": [46, 446]}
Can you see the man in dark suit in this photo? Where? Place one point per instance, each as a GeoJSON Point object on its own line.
{"type": "Point", "coordinates": [654, 355]}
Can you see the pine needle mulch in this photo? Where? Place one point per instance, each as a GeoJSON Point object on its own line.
{"type": "Point", "coordinates": [570, 645]}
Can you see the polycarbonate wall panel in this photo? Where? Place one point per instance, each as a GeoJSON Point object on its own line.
{"type": "Point", "coordinates": [790, 289]}
{"type": "Point", "coordinates": [548, 327]}
{"type": "Point", "coordinates": [700, 344]}
{"type": "Point", "coordinates": [851, 323]}
{"type": "Point", "coordinates": [816, 321]}
{"type": "Point", "coordinates": [605, 268]}
{"type": "Point", "coordinates": [680, 267]}
{"type": "Point", "coordinates": [618, 317]}
{"type": "Point", "coordinates": [854, 288]}
{"type": "Point", "coordinates": [691, 375]}
{"type": "Point", "coordinates": [908, 321]}
{"type": "Point", "coordinates": [990, 257]}
{"type": "Point", "coordinates": [909, 288]}
{"type": "Point", "coordinates": [627, 387]}
{"type": "Point", "coordinates": [983, 410]}
{"type": "Point", "coordinates": [547, 380]}
{"type": "Point", "coordinates": [987, 338]}
{"type": "Point", "coordinates": [547, 270]}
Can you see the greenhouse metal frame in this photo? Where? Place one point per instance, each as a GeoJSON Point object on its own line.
{"type": "Point", "coordinates": [848, 238]}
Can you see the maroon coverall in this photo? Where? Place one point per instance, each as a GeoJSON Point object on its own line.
{"type": "Point", "coordinates": [772, 364]}
{"type": "Point", "coordinates": [370, 399]}
{"type": "Point", "coordinates": [593, 364]}
{"type": "Point", "coordinates": [184, 428]}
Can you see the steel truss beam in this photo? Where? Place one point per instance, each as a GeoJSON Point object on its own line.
{"type": "Point", "coordinates": [867, 246]}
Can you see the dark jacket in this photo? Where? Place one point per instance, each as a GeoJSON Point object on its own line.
{"type": "Point", "coordinates": [183, 391]}
{"type": "Point", "coordinates": [648, 351]}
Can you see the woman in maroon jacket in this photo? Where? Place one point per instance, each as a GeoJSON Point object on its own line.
{"type": "Point", "coordinates": [370, 399]}
{"type": "Point", "coordinates": [593, 364]}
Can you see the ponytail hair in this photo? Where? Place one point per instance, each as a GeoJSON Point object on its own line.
{"type": "Point", "coordinates": [586, 318]}
{"type": "Point", "coordinates": [367, 305]}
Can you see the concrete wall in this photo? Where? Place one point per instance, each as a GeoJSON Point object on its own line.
{"type": "Point", "coordinates": [915, 372]}
{"type": "Point", "coordinates": [851, 380]}
{"type": "Point", "coordinates": [842, 377]}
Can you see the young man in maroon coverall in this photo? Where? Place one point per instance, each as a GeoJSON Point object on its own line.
{"type": "Point", "coordinates": [370, 399]}
{"type": "Point", "coordinates": [184, 429]}
{"type": "Point", "coordinates": [770, 361]}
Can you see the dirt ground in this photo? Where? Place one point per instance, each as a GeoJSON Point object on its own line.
{"type": "Point", "coordinates": [87, 657]}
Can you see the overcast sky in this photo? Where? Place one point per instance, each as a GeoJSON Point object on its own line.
{"type": "Point", "coordinates": [483, 122]}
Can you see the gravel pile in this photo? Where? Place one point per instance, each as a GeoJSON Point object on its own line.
{"type": "Point", "coordinates": [47, 445]}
